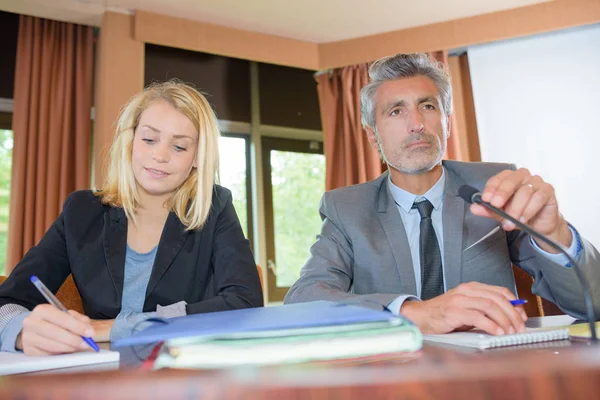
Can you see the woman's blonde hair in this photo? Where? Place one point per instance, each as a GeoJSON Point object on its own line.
{"type": "Point", "coordinates": [192, 200]}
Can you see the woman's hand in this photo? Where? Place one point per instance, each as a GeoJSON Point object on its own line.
{"type": "Point", "coordinates": [48, 330]}
{"type": "Point", "coordinates": [102, 328]}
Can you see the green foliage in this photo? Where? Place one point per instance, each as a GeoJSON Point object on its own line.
{"type": "Point", "coordinates": [3, 239]}
{"type": "Point", "coordinates": [298, 183]}
{"type": "Point", "coordinates": [6, 144]}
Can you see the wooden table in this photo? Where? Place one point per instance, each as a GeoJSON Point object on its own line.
{"type": "Point", "coordinates": [554, 370]}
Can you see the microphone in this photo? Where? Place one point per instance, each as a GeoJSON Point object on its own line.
{"type": "Point", "coordinates": [473, 196]}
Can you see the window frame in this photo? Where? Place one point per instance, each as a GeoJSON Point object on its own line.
{"type": "Point", "coordinates": [6, 124]}
{"type": "Point", "coordinates": [269, 144]}
{"type": "Point", "coordinates": [249, 202]}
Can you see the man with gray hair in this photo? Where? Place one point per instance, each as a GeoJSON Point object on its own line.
{"type": "Point", "coordinates": [405, 242]}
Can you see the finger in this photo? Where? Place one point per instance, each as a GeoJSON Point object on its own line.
{"type": "Point", "coordinates": [493, 183]}
{"type": "Point", "coordinates": [80, 317]}
{"type": "Point", "coordinates": [493, 288]}
{"type": "Point", "coordinates": [516, 318]}
{"type": "Point", "coordinates": [32, 351]}
{"type": "Point", "coordinates": [499, 309]}
{"type": "Point", "coordinates": [40, 345]}
{"type": "Point", "coordinates": [55, 333]}
{"type": "Point", "coordinates": [29, 349]}
{"type": "Point", "coordinates": [507, 225]}
{"type": "Point", "coordinates": [508, 187]}
{"type": "Point", "coordinates": [478, 320]}
{"type": "Point", "coordinates": [542, 197]}
{"type": "Point", "coordinates": [518, 202]}
{"type": "Point", "coordinates": [501, 296]}
{"type": "Point", "coordinates": [508, 295]}
{"type": "Point", "coordinates": [502, 291]}
{"type": "Point", "coordinates": [522, 312]}
{"type": "Point", "coordinates": [65, 320]}
{"type": "Point", "coordinates": [481, 211]}
{"type": "Point", "coordinates": [491, 309]}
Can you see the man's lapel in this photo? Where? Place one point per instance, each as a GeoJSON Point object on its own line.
{"type": "Point", "coordinates": [453, 220]}
{"type": "Point", "coordinates": [396, 235]}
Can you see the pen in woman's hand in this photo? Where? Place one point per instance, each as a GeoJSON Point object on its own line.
{"type": "Point", "coordinates": [49, 296]}
{"type": "Point", "coordinates": [518, 302]}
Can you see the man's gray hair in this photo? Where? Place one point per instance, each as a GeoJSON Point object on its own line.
{"type": "Point", "coordinates": [404, 66]}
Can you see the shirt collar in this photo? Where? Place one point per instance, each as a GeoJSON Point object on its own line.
{"type": "Point", "coordinates": [405, 199]}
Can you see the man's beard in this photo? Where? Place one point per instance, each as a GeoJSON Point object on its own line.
{"type": "Point", "coordinates": [426, 159]}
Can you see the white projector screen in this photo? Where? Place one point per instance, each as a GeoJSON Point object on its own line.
{"type": "Point", "coordinates": [537, 102]}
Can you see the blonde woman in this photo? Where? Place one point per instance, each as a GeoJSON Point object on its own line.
{"type": "Point", "coordinates": [160, 239]}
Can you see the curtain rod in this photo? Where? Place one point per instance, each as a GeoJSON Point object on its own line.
{"type": "Point", "coordinates": [452, 52]}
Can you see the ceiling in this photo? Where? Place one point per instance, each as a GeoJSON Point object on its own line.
{"type": "Point", "coordinates": [317, 21]}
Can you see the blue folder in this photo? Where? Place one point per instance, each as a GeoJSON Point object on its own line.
{"type": "Point", "coordinates": [287, 317]}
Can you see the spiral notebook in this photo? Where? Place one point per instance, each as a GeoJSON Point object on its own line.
{"type": "Point", "coordinates": [484, 341]}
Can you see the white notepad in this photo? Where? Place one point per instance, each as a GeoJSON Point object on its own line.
{"type": "Point", "coordinates": [484, 341]}
{"type": "Point", "coordinates": [18, 363]}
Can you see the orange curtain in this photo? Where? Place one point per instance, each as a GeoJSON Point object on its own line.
{"type": "Point", "coordinates": [453, 149]}
{"type": "Point", "coordinates": [350, 159]}
{"type": "Point", "coordinates": [51, 124]}
{"type": "Point", "coordinates": [464, 129]}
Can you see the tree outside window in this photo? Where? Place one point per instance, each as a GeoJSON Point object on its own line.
{"type": "Point", "coordinates": [6, 145]}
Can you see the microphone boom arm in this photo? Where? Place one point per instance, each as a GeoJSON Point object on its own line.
{"type": "Point", "coordinates": [471, 195]}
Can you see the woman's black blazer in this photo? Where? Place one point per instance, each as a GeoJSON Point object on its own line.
{"type": "Point", "coordinates": [212, 269]}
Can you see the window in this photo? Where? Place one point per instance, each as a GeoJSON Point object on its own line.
{"type": "Point", "coordinates": [294, 176]}
{"type": "Point", "coordinates": [270, 151]}
{"type": "Point", "coordinates": [6, 145]}
{"type": "Point", "coordinates": [233, 174]}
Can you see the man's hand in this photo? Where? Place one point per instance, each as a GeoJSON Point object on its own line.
{"type": "Point", "coordinates": [528, 199]}
{"type": "Point", "coordinates": [47, 330]}
{"type": "Point", "coordinates": [469, 305]}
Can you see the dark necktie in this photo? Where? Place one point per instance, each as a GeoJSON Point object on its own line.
{"type": "Point", "coordinates": [432, 282]}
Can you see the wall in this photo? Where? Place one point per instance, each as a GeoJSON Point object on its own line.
{"type": "Point", "coordinates": [119, 75]}
{"type": "Point", "coordinates": [486, 28]}
{"type": "Point", "coordinates": [231, 42]}
{"type": "Point", "coordinates": [536, 101]}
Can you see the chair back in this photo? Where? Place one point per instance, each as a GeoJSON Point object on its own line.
{"type": "Point", "coordinates": [67, 294]}
{"type": "Point", "coordinates": [534, 307]}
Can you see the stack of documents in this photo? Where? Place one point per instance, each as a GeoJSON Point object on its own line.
{"type": "Point", "coordinates": [582, 330]}
{"type": "Point", "coordinates": [278, 335]}
{"type": "Point", "coordinates": [577, 328]}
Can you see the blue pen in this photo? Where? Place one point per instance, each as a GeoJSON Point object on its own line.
{"type": "Point", "coordinates": [518, 302]}
{"type": "Point", "coordinates": [48, 295]}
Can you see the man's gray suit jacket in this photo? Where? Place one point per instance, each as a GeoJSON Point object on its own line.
{"type": "Point", "coordinates": [362, 255]}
